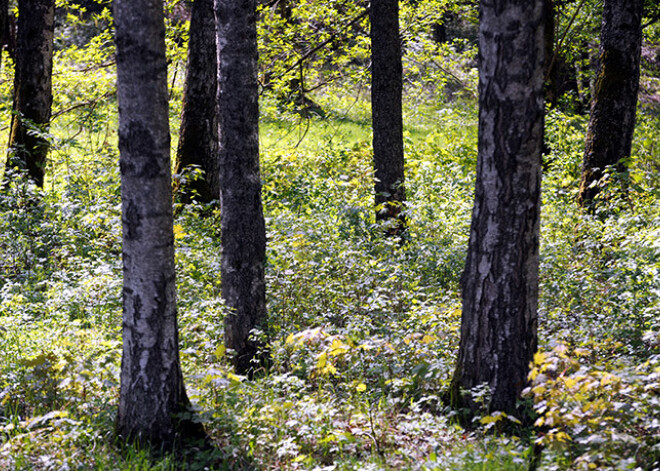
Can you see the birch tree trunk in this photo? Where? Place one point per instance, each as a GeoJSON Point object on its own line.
{"type": "Point", "coordinates": [198, 136]}
{"type": "Point", "coordinates": [242, 221]}
{"type": "Point", "coordinates": [386, 90]}
{"type": "Point", "coordinates": [612, 120]}
{"type": "Point", "coordinates": [500, 282]}
{"type": "Point", "coordinates": [152, 391]}
{"type": "Point", "coordinates": [28, 148]}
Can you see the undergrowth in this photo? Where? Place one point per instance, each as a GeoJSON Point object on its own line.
{"type": "Point", "coordinates": [362, 330]}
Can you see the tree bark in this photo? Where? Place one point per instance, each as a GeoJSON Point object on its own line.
{"type": "Point", "coordinates": [386, 90]}
{"type": "Point", "coordinates": [198, 136]}
{"type": "Point", "coordinates": [550, 65]}
{"type": "Point", "coordinates": [28, 148]}
{"type": "Point", "coordinates": [500, 282]}
{"type": "Point", "coordinates": [242, 221]}
{"type": "Point", "coordinates": [612, 120]}
{"type": "Point", "coordinates": [152, 395]}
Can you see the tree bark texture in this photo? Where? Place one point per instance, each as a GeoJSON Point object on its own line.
{"type": "Point", "coordinates": [500, 282]}
{"type": "Point", "coordinates": [550, 66]}
{"type": "Point", "coordinates": [242, 221]}
{"type": "Point", "coordinates": [386, 90]}
{"type": "Point", "coordinates": [152, 391]}
{"type": "Point", "coordinates": [198, 136]}
{"type": "Point", "coordinates": [28, 148]}
{"type": "Point", "coordinates": [612, 120]}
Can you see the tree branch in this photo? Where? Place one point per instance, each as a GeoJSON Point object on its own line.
{"type": "Point", "coordinates": [82, 104]}
{"type": "Point", "coordinates": [560, 44]}
{"type": "Point", "coordinates": [321, 45]}
{"type": "Point", "coordinates": [92, 67]}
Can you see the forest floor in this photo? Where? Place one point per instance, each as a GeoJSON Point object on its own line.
{"type": "Point", "coordinates": [362, 330]}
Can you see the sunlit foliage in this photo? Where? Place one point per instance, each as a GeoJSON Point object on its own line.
{"type": "Point", "coordinates": [362, 331]}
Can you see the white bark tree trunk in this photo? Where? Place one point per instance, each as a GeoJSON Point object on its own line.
{"type": "Point", "coordinates": [152, 391]}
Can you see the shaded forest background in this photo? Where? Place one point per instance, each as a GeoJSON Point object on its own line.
{"type": "Point", "coordinates": [362, 331]}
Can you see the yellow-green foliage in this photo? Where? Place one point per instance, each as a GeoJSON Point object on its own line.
{"type": "Point", "coordinates": [598, 414]}
{"type": "Point", "coordinates": [362, 331]}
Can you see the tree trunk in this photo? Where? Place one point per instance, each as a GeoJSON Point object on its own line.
{"type": "Point", "coordinates": [500, 282]}
{"type": "Point", "coordinates": [242, 221]}
{"type": "Point", "coordinates": [4, 25]}
{"type": "Point", "coordinates": [152, 391]}
{"type": "Point", "coordinates": [612, 121]}
{"type": "Point", "coordinates": [28, 148]}
{"type": "Point", "coordinates": [550, 65]}
{"type": "Point", "coordinates": [198, 136]}
{"type": "Point", "coordinates": [386, 89]}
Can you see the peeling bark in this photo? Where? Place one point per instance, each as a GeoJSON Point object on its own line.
{"type": "Point", "coordinates": [152, 396]}
{"type": "Point", "coordinates": [386, 90]}
{"type": "Point", "coordinates": [28, 148]}
{"type": "Point", "coordinates": [198, 136]}
{"type": "Point", "coordinates": [242, 221]}
{"type": "Point", "coordinates": [612, 120]}
{"type": "Point", "coordinates": [500, 282]}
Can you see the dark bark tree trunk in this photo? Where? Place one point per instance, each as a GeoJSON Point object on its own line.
{"type": "Point", "coordinates": [242, 221]}
{"type": "Point", "coordinates": [550, 66]}
{"type": "Point", "coordinates": [10, 38]}
{"type": "Point", "coordinates": [386, 90]}
{"type": "Point", "coordinates": [198, 136]}
{"type": "Point", "coordinates": [612, 121]}
{"type": "Point", "coordinates": [4, 26]}
{"type": "Point", "coordinates": [500, 282]}
{"type": "Point", "coordinates": [28, 148]}
{"type": "Point", "coordinates": [152, 391]}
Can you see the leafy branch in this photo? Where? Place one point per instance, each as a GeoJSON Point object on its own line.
{"type": "Point", "coordinates": [334, 36]}
{"type": "Point", "coordinates": [81, 104]}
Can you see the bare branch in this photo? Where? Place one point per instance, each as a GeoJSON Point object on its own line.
{"type": "Point", "coordinates": [82, 104]}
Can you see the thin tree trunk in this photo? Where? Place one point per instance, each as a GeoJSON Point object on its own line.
{"type": "Point", "coordinates": [10, 37]}
{"type": "Point", "coordinates": [242, 221]}
{"type": "Point", "coordinates": [386, 90]}
{"type": "Point", "coordinates": [28, 148]}
{"type": "Point", "coordinates": [4, 25]}
{"type": "Point", "coordinates": [500, 282]}
{"type": "Point", "coordinates": [152, 391]}
{"type": "Point", "coordinates": [551, 55]}
{"type": "Point", "coordinates": [198, 136]}
{"type": "Point", "coordinates": [612, 120]}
